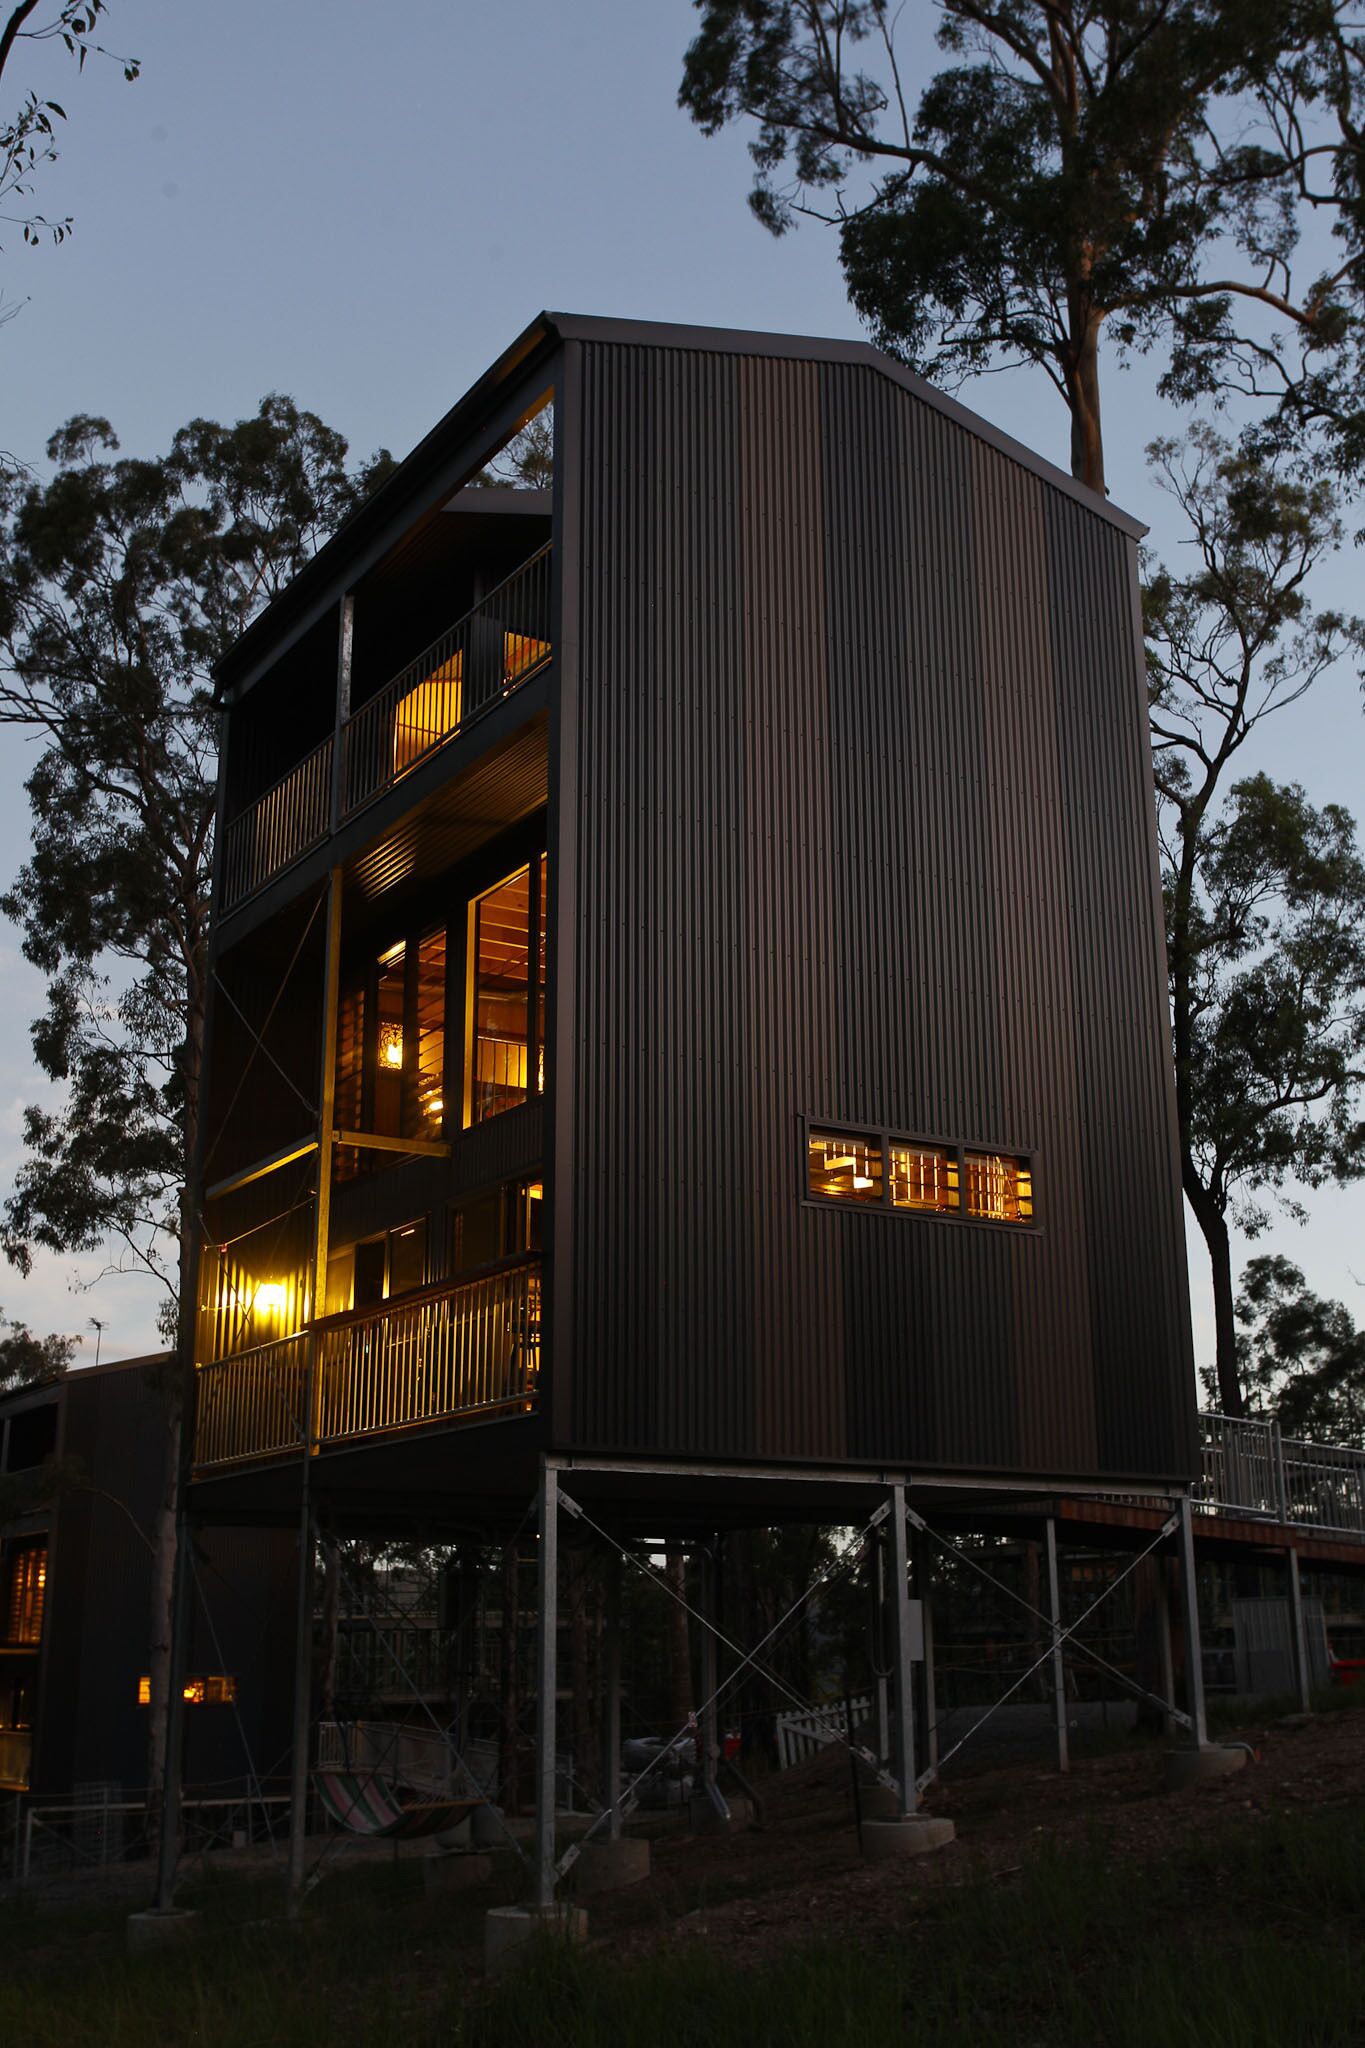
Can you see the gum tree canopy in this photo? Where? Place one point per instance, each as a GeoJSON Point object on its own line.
{"type": "Point", "coordinates": [1140, 171]}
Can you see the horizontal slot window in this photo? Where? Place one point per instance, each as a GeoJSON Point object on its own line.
{"type": "Point", "coordinates": [999, 1187]}
{"type": "Point", "coordinates": [888, 1171]}
{"type": "Point", "coordinates": [924, 1177]}
{"type": "Point", "coordinates": [844, 1167]}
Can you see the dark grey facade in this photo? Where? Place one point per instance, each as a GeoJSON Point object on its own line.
{"type": "Point", "coordinates": [73, 1652]}
{"type": "Point", "coordinates": [835, 744]}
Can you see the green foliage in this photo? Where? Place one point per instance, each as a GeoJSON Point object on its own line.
{"type": "Point", "coordinates": [122, 581]}
{"type": "Point", "coordinates": [1302, 1356]}
{"type": "Point", "coordinates": [28, 138]}
{"type": "Point", "coordinates": [29, 1361]}
{"type": "Point", "coordinates": [1141, 169]}
{"type": "Point", "coordinates": [1247, 1935]}
{"type": "Point", "coordinates": [1265, 894]}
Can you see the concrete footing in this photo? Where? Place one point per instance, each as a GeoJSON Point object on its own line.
{"type": "Point", "coordinates": [156, 1929]}
{"type": "Point", "coordinates": [1189, 1767]}
{"type": "Point", "coordinates": [508, 1928]}
{"type": "Point", "coordinates": [879, 1802]}
{"type": "Point", "coordinates": [610, 1866]}
{"type": "Point", "coordinates": [914, 1834]}
{"type": "Point", "coordinates": [459, 1873]}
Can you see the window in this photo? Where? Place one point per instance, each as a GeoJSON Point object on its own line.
{"type": "Point", "coordinates": [845, 1167]}
{"type": "Point", "coordinates": [999, 1187]}
{"type": "Point", "coordinates": [923, 1177]}
{"type": "Point", "coordinates": [495, 1225]}
{"type": "Point", "coordinates": [215, 1689]}
{"type": "Point", "coordinates": [882, 1170]}
{"type": "Point", "coordinates": [504, 1060]}
{"type": "Point", "coordinates": [27, 1593]}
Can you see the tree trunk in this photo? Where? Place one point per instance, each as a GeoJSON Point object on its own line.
{"type": "Point", "coordinates": [1081, 370]}
{"type": "Point", "coordinates": [1213, 1225]}
{"type": "Point", "coordinates": [179, 1400]}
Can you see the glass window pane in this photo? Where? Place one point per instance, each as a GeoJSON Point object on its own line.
{"type": "Point", "coordinates": [999, 1188]}
{"type": "Point", "coordinates": [428, 1108]}
{"type": "Point", "coordinates": [389, 1047]}
{"type": "Point", "coordinates": [501, 998]}
{"type": "Point", "coordinates": [844, 1167]}
{"type": "Point", "coordinates": [408, 1257]}
{"type": "Point", "coordinates": [923, 1177]}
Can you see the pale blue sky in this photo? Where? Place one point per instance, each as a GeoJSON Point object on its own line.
{"type": "Point", "coordinates": [361, 207]}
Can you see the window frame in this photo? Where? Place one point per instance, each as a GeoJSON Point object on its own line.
{"type": "Point", "coordinates": [886, 1135]}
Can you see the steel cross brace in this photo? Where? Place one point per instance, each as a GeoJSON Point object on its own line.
{"type": "Point", "coordinates": [627, 1800]}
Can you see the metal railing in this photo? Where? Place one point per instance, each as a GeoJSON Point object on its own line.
{"type": "Point", "coordinates": [484, 657]}
{"type": "Point", "coordinates": [1249, 1468]}
{"type": "Point", "coordinates": [255, 1403]}
{"type": "Point", "coordinates": [463, 1348]}
{"type": "Point", "coordinates": [279, 828]}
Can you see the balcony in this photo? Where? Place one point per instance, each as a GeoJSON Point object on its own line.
{"type": "Point", "coordinates": [1250, 1469]}
{"type": "Point", "coordinates": [483, 658]}
{"type": "Point", "coordinates": [467, 1348]}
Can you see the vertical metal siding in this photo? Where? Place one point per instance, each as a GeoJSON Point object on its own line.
{"type": "Point", "coordinates": [859, 833]}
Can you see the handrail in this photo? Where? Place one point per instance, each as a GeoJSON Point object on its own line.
{"type": "Point", "coordinates": [482, 658]}
{"type": "Point", "coordinates": [283, 824]}
{"type": "Point", "coordinates": [1250, 1468]}
{"type": "Point", "coordinates": [460, 1347]}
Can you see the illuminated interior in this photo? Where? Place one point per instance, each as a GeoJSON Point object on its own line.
{"type": "Point", "coordinates": [497, 1076]}
{"type": "Point", "coordinates": [999, 1187]}
{"type": "Point", "coordinates": [27, 1593]}
{"type": "Point", "coordinates": [845, 1167]}
{"type": "Point", "coordinates": [923, 1177]}
{"type": "Point", "coordinates": [215, 1689]}
{"type": "Point", "coordinates": [432, 710]}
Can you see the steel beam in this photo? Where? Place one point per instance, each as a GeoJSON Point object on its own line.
{"type": "Point", "coordinates": [902, 1663]}
{"type": "Point", "coordinates": [1298, 1635]}
{"type": "Point", "coordinates": [1189, 1605]}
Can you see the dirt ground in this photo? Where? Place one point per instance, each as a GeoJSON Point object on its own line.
{"type": "Point", "coordinates": [756, 1888]}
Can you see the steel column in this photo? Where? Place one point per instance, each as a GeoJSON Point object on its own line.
{"type": "Point", "coordinates": [303, 1700]}
{"type": "Point", "coordinates": [611, 1690]}
{"type": "Point", "coordinates": [1298, 1636]}
{"type": "Point", "coordinates": [883, 1708]}
{"type": "Point", "coordinates": [1054, 1608]}
{"type": "Point", "coordinates": [902, 1663]}
{"type": "Point", "coordinates": [708, 1738]}
{"type": "Point", "coordinates": [547, 1629]}
{"type": "Point", "coordinates": [1189, 1604]}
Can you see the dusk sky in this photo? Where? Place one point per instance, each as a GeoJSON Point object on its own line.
{"type": "Point", "coordinates": [362, 207]}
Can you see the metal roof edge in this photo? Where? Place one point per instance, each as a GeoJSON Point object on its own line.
{"type": "Point", "coordinates": [813, 348]}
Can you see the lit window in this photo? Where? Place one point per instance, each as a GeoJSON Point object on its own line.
{"type": "Point", "coordinates": [923, 1177]}
{"type": "Point", "coordinates": [27, 1593]}
{"type": "Point", "coordinates": [845, 1167]}
{"type": "Point", "coordinates": [999, 1187]}
{"type": "Point", "coordinates": [501, 1066]}
{"type": "Point", "coordinates": [216, 1689]}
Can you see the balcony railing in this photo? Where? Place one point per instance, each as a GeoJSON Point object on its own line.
{"type": "Point", "coordinates": [280, 827]}
{"type": "Point", "coordinates": [464, 1348]}
{"type": "Point", "coordinates": [486, 656]}
{"type": "Point", "coordinates": [1250, 1469]}
{"type": "Point", "coordinates": [481, 659]}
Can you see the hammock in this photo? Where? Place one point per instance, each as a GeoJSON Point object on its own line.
{"type": "Point", "coordinates": [363, 1803]}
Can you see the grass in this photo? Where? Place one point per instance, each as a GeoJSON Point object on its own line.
{"type": "Point", "coordinates": [1245, 1939]}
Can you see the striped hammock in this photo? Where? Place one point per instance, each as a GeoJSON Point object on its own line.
{"type": "Point", "coordinates": [365, 1804]}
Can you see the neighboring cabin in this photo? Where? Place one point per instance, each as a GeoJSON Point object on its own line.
{"type": "Point", "coordinates": [76, 1580]}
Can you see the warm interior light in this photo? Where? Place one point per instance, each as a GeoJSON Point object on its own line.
{"type": "Point", "coordinates": [435, 1108]}
{"type": "Point", "coordinates": [272, 1299]}
{"type": "Point", "coordinates": [390, 1045]}
{"type": "Point", "coordinates": [860, 1180]}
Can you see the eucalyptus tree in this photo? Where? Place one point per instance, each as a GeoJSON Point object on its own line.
{"type": "Point", "coordinates": [122, 580]}
{"type": "Point", "coordinates": [1136, 172]}
{"type": "Point", "coordinates": [1265, 894]}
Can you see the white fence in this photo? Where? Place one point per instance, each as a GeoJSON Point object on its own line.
{"type": "Point", "coordinates": [805, 1734]}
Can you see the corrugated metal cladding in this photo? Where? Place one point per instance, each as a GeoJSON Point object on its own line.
{"type": "Point", "coordinates": [862, 833]}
